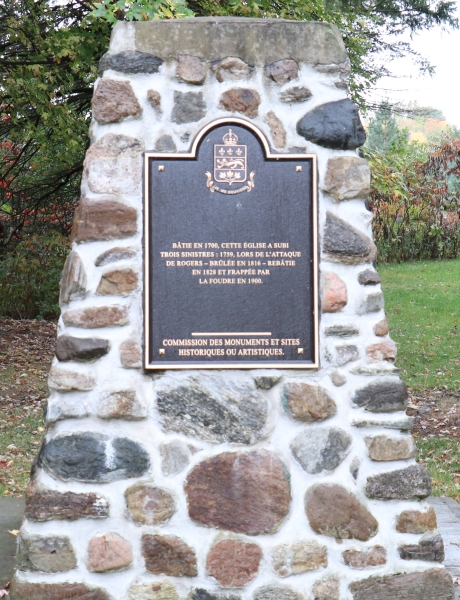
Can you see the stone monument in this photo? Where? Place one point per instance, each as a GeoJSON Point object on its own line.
{"type": "Point", "coordinates": [225, 421]}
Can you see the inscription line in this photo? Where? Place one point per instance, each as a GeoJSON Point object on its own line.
{"type": "Point", "coordinates": [236, 333]}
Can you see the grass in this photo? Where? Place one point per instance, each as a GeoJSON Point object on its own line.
{"type": "Point", "coordinates": [441, 456]}
{"type": "Point", "coordinates": [422, 302]}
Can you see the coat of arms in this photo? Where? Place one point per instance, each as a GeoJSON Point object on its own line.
{"type": "Point", "coordinates": [230, 166]}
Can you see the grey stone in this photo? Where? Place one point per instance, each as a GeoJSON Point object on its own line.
{"type": "Point", "coordinates": [191, 69]}
{"type": "Point", "coordinates": [354, 467]}
{"type": "Point", "coordinates": [165, 143]}
{"type": "Point", "coordinates": [342, 331]}
{"type": "Point", "coordinates": [73, 280]}
{"type": "Point", "coordinates": [372, 302]}
{"type": "Point", "coordinates": [346, 353]}
{"type": "Point", "coordinates": [214, 409]}
{"type": "Point", "coordinates": [92, 458]}
{"type": "Point", "coordinates": [81, 349]}
{"type": "Point", "coordinates": [430, 547]}
{"type": "Point", "coordinates": [201, 594]}
{"type": "Point", "coordinates": [130, 62]}
{"type": "Point", "coordinates": [156, 590]}
{"type": "Point", "coordinates": [255, 41]}
{"type": "Point", "coordinates": [327, 589]}
{"type": "Point", "coordinates": [411, 483]}
{"type": "Point", "coordinates": [369, 277]}
{"type": "Point", "coordinates": [372, 370]}
{"type": "Point", "coordinates": [276, 592]}
{"type": "Point", "coordinates": [307, 402]}
{"type": "Point", "coordinates": [347, 178]}
{"type": "Point", "coordinates": [231, 68]}
{"type": "Point", "coordinates": [405, 424]}
{"type": "Point", "coordinates": [382, 396]}
{"type": "Point", "coordinates": [338, 378]}
{"type": "Point", "coordinates": [333, 125]}
{"type": "Point", "coordinates": [282, 71]}
{"type": "Point", "coordinates": [434, 584]}
{"type": "Point", "coordinates": [60, 407]}
{"type": "Point", "coordinates": [123, 404]}
{"type": "Point", "coordinates": [48, 554]}
{"type": "Point", "coordinates": [266, 382]}
{"type": "Point", "coordinates": [114, 255]}
{"type": "Point", "coordinates": [175, 457]}
{"type": "Point", "coordinates": [344, 243]}
{"type": "Point", "coordinates": [154, 99]}
{"type": "Point", "coordinates": [188, 107]}
{"type": "Point", "coordinates": [384, 448]}
{"type": "Point", "coordinates": [298, 93]}
{"type": "Point", "coordinates": [321, 449]}
{"type": "Point", "coordinates": [68, 381]}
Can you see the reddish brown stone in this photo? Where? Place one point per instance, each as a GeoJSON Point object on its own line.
{"type": "Point", "coordinates": [381, 328]}
{"type": "Point", "coordinates": [242, 492]}
{"type": "Point", "coordinates": [93, 318]}
{"type": "Point", "coordinates": [243, 100]}
{"type": "Point", "coordinates": [73, 281]}
{"type": "Point", "coordinates": [306, 402]}
{"type": "Point", "coordinates": [415, 521]}
{"type": "Point", "coordinates": [334, 511]}
{"type": "Point", "coordinates": [382, 351]}
{"type": "Point", "coordinates": [334, 293]}
{"type": "Point", "coordinates": [51, 505]}
{"type": "Point", "coordinates": [107, 219]}
{"type": "Point", "coordinates": [362, 559]}
{"type": "Point", "coordinates": [130, 355]}
{"type": "Point", "coordinates": [154, 99]}
{"type": "Point", "coordinates": [21, 590]}
{"type": "Point", "coordinates": [277, 129]}
{"type": "Point", "coordinates": [168, 555]}
{"type": "Point", "coordinates": [113, 101]}
{"type": "Point", "coordinates": [233, 563]}
{"type": "Point", "coordinates": [109, 552]}
{"type": "Point", "coordinates": [119, 282]}
{"type": "Point", "coordinates": [148, 504]}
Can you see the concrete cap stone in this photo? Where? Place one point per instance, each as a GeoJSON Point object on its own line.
{"type": "Point", "coordinates": [255, 41]}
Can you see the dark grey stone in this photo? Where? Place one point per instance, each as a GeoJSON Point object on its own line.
{"type": "Point", "coordinates": [410, 483]}
{"type": "Point", "coordinates": [434, 584]}
{"type": "Point", "coordinates": [345, 243]}
{"type": "Point", "coordinates": [342, 331]}
{"type": "Point", "coordinates": [406, 424]}
{"type": "Point", "coordinates": [201, 594]}
{"type": "Point", "coordinates": [430, 547]}
{"type": "Point", "coordinates": [382, 396]}
{"type": "Point", "coordinates": [298, 93]}
{"type": "Point", "coordinates": [81, 349]}
{"type": "Point", "coordinates": [369, 277]}
{"type": "Point", "coordinates": [165, 143]}
{"type": "Point", "coordinates": [371, 303]}
{"type": "Point", "coordinates": [276, 592]}
{"type": "Point", "coordinates": [212, 409]}
{"type": "Point", "coordinates": [266, 382]}
{"type": "Point", "coordinates": [333, 125]}
{"type": "Point", "coordinates": [321, 449]}
{"type": "Point", "coordinates": [354, 467]}
{"type": "Point", "coordinates": [45, 554]}
{"type": "Point", "coordinates": [87, 457]}
{"type": "Point", "coordinates": [188, 107]}
{"type": "Point", "coordinates": [130, 62]}
{"type": "Point", "coordinates": [114, 255]}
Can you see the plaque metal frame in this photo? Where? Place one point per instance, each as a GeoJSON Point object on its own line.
{"type": "Point", "coordinates": [269, 155]}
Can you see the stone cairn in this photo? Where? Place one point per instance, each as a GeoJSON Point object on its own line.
{"type": "Point", "coordinates": [236, 485]}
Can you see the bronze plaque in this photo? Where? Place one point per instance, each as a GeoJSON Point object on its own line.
{"type": "Point", "coordinates": [230, 254]}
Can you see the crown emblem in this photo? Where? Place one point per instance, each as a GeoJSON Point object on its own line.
{"type": "Point", "coordinates": [230, 139]}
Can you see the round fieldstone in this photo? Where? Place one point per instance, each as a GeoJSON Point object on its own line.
{"type": "Point", "coordinates": [411, 483]}
{"type": "Point", "coordinates": [188, 107]}
{"type": "Point", "coordinates": [327, 589]}
{"type": "Point", "coordinates": [100, 220]}
{"type": "Point", "coordinates": [344, 243]}
{"type": "Point", "coordinates": [94, 318]}
{"type": "Point", "coordinates": [231, 68]}
{"type": "Point", "coordinates": [298, 93]}
{"type": "Point", "coordinates": [123, 404]}
{"type": "Point", "coordinates": [154, 99]}
{"type": "Point", "coordinates": [382, 396]}
{"type": "Point", "coordinates": [109, 552]}
{"type": "Point", "coordinates": [307, 402]}
{"type": "Point", "coordinates": [382, 351]}
{"type": "Point", "coordinates": [51, 505]}
{"type": "Point", "coordinates": [334, 293]}
{"type": "Point", "coordinates": [342, 354]}
{"type": "Point", "coordinates": [88, 457]}
{"type": "Point", "coordinates": [372, 302]}
{"type": "Point", "coordinates": [175, 456]}
{"type": "Point", "coordinates": [191, 69]}
{"type": "Point", "coordinates": [241, 492]}
{"type": "Point", "coordinates": [114, 101]}
{"type": "Point", "coordinates": [347, 178]}
{"type": "Point", "coordinates": [382, 447]}
{"type": "Point", "coordinates": [282, 71]}
{"type": "Point", "coordinates": [233, 563]}
{"type": "Point", "coordinates": [369, 277]}
{"type": "Point", "coordinates": [165, 143]}
{"type": "Point", "coordinates": [47, 554]}
{"type": "Point", "coordinates": [130, 354]}
{"type": "Point", "coordinates": [321, 449]}
{"type": "Point", "coordinates": [68, 381]}
{"type": "Point", "coordinates": [333, 125]}
{"type": "Point", "coordinates": [130, 62]}
{"type": "Point", "coordinates": [430, 548]}
{"type": "Point", "coordinates": [381, 328]}
{"type": "Point", "coordinates": [148, 504]}
{"type": "Point", "coordinates": [363, 559]}
{"type": "Point", "coordinates": [242, 100]}
{"type": "Point", "coordinates": [302, 557]}
{"type": "Point", "coordinates": [215, 409]}
{"type": "Point", "coordinates": [168, 555]}
{"type": "Point", "coordinates": [276, 592]}
{"type": "Point", "coordinates": [334, 511]}
{"type": "Point", "coordinates": [80, 349]}
{"type": "Point", "coordinates": [415, 521]}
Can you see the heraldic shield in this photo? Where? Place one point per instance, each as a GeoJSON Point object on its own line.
{"type": "Point", "coordinates": [230, 160]}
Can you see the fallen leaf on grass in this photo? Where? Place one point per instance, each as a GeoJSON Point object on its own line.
{"type": "Point", "coordinates": [4, 593]}
{"type": "Point", "coordinates": [13, 531]}
{"type": "Point", "coordinates": [456, 580]}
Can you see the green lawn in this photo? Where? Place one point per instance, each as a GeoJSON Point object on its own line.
{"type": "Point", "coordinates": [422, 302]}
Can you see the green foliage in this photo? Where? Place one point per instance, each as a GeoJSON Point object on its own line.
{"type": "Point", "coordinates": [141, 10]}
{"type": "Point", "coordinates": [383, 134]}
{"type": "Point", "coordinates": [29, 278]}
{"type": "Point", "coordinates": [421, 303]}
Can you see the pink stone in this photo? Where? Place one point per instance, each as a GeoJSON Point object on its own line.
{"type": "Point", "coordinates": [109, 552]}
{"type": "Point", "coordinates": [233, 563]}
{"type": "Point", "coordinates": [334, 293]}
{"type": "Point", "coordinates": [382, 351]}
{"type": "Point", "coordinates": [130, 355]}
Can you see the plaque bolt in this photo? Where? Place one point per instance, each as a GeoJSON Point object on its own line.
{"type": "Point", "coordinates": [161, 167]}
{"type": "Point", "coordinates": [299, 350]}
{"type": "Point", "coordinates": [298, 169]}
{"type": "Point", "coordinates": [162, 351]}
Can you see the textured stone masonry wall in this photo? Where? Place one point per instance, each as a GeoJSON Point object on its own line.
{"type": "Point", "coordinates": [259, 485]}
